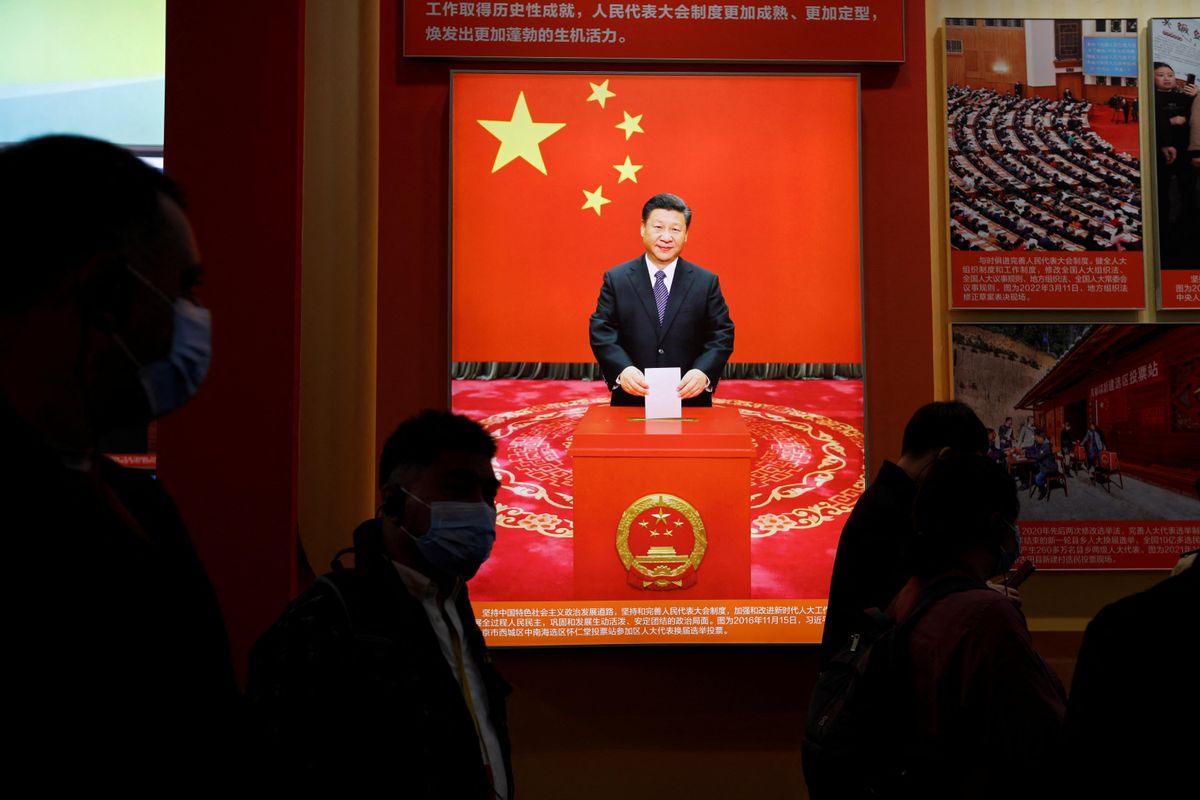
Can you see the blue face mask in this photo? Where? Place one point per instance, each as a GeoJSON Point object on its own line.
{"type": "Point", "coordinates": [1007, 559]}
{"type": "Point", "coordinates": [171, 382]}
{"type": "Point", "coordinates": [460, 536]}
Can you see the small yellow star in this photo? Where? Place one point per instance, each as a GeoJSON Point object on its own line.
{"type": "Point", "coordinates": [631, 125]}
{"type": "Point", "coordinates": [595, 200]}
{"type": "Point", "coordinates": [520, 136]}
{"type": "Point", "coordinates": [600, 93]}
{"type": "Point", "coordinates": [628, 171]}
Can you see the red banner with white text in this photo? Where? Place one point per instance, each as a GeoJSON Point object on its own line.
{"type": "Point", "coordinates": [1108, 544]}
{"type": "Point", "coordinates": [594, 31]}
{"type": "Point", "coordinates": [1107, 279]}
{"type": "Point", "coordinates": [1181, 288]}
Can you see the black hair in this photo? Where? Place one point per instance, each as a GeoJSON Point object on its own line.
{"type": "Point", "coordinates": [668, 202]}
{"type": "Point", "coordinates": [65, 200]}
{"type": "Point", "coordinates": [956, 509]}
{"type": "Point", "coordinates": [944, 424]}
{"type": "Point", "coordinates": [1158, 64]}
{"type": "Point", "coordinates": [419, 440]}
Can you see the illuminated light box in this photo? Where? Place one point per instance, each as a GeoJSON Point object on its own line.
{"type": "Point", "coordinates": [549, 175]}
{"type": "Point", "coordinates": [1118, 406]}
{"type": "Point", "coordinates": [1044, 166]}
{"type": "Point", "coordinates": [1175, 45]}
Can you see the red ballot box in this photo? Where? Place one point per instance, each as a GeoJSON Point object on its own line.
{"type": "Point", "coordinates": [662, 507]}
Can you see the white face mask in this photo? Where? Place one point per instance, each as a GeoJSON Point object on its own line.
{"type": "Point", "coordinates": [171, 382]}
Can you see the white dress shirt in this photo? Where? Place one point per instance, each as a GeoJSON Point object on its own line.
{"type": "Point", "coordinates": [425, 592]}
{"type": "Point", "coordinates": [654, 268]}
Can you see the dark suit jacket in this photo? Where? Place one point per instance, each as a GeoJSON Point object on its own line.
{"type": "Point", "coordinates": [350, 685]}
{"type": "Point", "coordinates": [696, 332]}
{"type": "Point", "coordinates": [118, 657]}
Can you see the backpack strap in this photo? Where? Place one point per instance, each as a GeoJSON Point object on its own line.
{"type": "Point", "coordinates": [328, 580]}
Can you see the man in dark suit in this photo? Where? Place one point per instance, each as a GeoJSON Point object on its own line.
{"type": "Point", "coordinates": [661, 311]}
{"type": "Point", "coordinates": [377, 674]}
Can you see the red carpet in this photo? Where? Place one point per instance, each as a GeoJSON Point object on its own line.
{"type": "Point", "coordinates": [1121, 135]}
{"type": "Point", "coordinates": [806, 476]}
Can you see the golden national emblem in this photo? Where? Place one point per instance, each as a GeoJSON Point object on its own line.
{"type": "Point", "coordinates": [661, 542]}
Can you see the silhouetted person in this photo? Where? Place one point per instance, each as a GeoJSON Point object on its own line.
{"type": "Point", "coordinates": [985, 708]}
{"type": "Point", "coordinates": [378, 676]}
{"type": "Point", "coordinates": [871, 563]}
{"type": "Point", "coordinates": [118, 660]}
{"type": "Point", "coordinates": [1129, 726]}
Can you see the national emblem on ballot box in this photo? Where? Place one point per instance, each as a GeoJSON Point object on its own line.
{"type": "Point", "coordinates": [661, 542]}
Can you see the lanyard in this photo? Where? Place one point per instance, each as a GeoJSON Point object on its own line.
{"type": "Point", "coordinates": [465, 687]}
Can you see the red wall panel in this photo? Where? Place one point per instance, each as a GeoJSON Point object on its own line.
{"type": "Point", "coordinates": [233, 140]}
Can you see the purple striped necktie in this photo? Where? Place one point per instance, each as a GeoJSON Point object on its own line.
{"type": "Point", "coordinates": [660, 294]}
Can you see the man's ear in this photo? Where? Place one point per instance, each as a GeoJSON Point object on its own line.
{"type": "Point", "coordinates": [104, 292]}
{"type": "Point", "coordinates": [394, 501]}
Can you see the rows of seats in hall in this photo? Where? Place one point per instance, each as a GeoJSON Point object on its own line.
{"type": "Point", "coordinates": [1030, 173]}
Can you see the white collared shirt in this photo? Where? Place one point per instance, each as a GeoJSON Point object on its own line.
{"type": "Point", "coordinates": [425, 592]}
{"type": "Point", "coordinates": [669, 269]}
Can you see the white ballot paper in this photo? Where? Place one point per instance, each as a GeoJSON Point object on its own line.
{"type": "Point", "coordinates": [663, 401]}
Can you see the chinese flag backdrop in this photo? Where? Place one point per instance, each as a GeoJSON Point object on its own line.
{"type": "Point", "coordinates": [769, 165]}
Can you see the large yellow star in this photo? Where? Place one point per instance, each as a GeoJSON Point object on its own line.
{"type": "Point", "coordinates": [595, 200]}
{"type": "Point", "coordinates": [631, 125]}
{"type": "Point", "coordinates": [520, 136]}
{"type": "Point", "coordinates": [628, 171]}
{"type": "Point", "coordinates": [600, 93]}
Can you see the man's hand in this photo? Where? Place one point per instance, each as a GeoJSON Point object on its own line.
{"type": "Point", "coordinates": [694, 382]}
{"type": "Point", "coordinates": [1012, 594]}
{"type": "Point", "coordinates": [1169, 154]}
{"type": "Point", "coordinates": [1179, 120]}
{"type": "Point", "coordinates": [633, 382]}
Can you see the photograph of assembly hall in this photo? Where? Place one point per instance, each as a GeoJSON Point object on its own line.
{"type": "Point", "coordinates": [1091, 421]}
{"type": "Point", "coordinates": [1042, 131]}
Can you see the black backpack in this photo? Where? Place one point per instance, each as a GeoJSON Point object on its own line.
{"type": "Point", "coordinates": [856, 743]}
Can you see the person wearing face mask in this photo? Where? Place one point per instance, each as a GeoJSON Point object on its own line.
{"type": "Point", "coordinates": [382, 665]}
{"type": "Point", "coordinates": [871, 562]}
{"type": "Point", "coordinates": [119, 660]}
{"type": "Point", "coordinates": [977, 692]}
